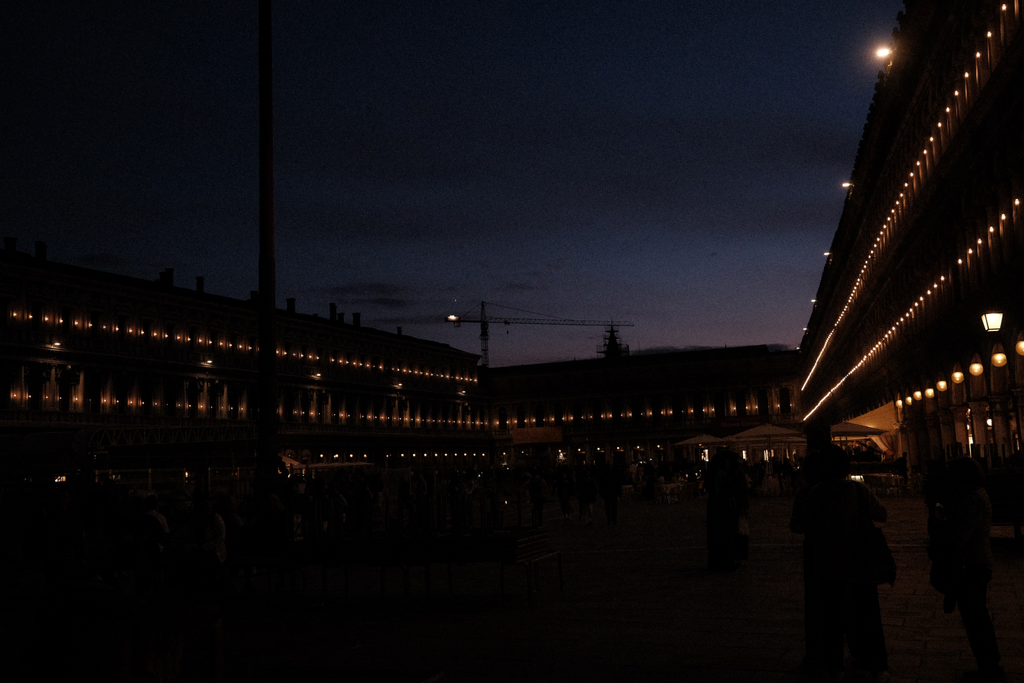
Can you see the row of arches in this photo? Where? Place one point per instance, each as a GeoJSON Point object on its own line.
{"type": "Point", "coordinates": [969, 403]}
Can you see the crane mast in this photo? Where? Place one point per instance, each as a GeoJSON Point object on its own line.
{"type": "Point", "coordinates": [484, 321]}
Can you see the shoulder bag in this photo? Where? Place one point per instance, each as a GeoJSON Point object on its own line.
{"type": "Point", "coordinates": [877, 563]}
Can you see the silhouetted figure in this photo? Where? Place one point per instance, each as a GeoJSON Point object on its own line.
{"type": "Point", "coordinates": [902, 470]}
{"type": "Point", "coordinates": [361, 505]}
{"type": "Point", "coordinates": [842, 605]}
{"type": "Point", "coordinates": [149, 533]}
{"type": "Point", "coordinates": [723, 510]}
{"type": "Point", "coordinates": [742, 506]}
{"type": "Point", "coordinates": [587, 495]}
{"type": "Point", "coordinates": [421, 502]}
{"type": "Point", "coordinates": [538, 490]}
{"type": "Point", "coordinates": [962, 555]}
{"type": "Point", "coordinates": [611, 490]}
{"type": "Point", "coordinates": [54, 539]}
{"type": "Point", "coordinates": [565, 488]}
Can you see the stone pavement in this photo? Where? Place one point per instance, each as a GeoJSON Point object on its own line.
{"type": "Point", "coordinates": [638, 605]}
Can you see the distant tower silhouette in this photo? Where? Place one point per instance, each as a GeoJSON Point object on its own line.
{"type": "Point", "coordinates": [612, 347]}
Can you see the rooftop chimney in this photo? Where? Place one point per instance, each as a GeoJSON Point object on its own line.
{"type": "Point", "coordinates": [355, 319]}
{"type": "Point", "coordinates": [334, 312]}
{"type": "Point", "coordinates": [200, 280]}
{"type": "Point", "coordinates": [41, 251]}
{"type": "Point", "coordinates": [399, 330]}
{"type": "Point", "coordinates": [291, 304]}
{"type": "Point", "coordinates": [11, 244]}
{"type": "Point", "coordinates": [167, 277]}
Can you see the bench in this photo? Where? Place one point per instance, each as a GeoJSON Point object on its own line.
{"type": "Point", "coordinates": [528, 551]}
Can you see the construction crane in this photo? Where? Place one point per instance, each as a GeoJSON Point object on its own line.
{"type": "Point", "coordinates": [485, 325]}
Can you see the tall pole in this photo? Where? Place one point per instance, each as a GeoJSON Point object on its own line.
{"type": "Point", "coordinates": [266, 447]}
{"type": "Point", "coordinates": [485, 336]}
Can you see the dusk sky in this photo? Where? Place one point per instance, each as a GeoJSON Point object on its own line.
{"type": "Point", "coordinates": [672, 163]}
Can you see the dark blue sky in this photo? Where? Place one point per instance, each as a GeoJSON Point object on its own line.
{"type": "Point", "coordinates": [675, 164]}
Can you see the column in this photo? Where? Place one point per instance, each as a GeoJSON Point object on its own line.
{"type": "Point", "coordinates": [979, 427]}
{"type": "Point", "coordinates": [947, 430]}
{"type": "Point", "coordinates": [934, 450]}
{"type": "Point", "coordinates": [960, 426]}
{"type": "Point", "coordinates": [1001, 427]}
{"type": "Point", "coordinates": [1019, 399]}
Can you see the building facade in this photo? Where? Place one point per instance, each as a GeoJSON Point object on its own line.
{"type": "Point", "coordinates": [932, 238]}
{"type": "Point", "coordinates": [639, 407]}
{"type": "Point", "coordinates": [133, 366]}
{"type": "Point", "coordinates": [137, 373]}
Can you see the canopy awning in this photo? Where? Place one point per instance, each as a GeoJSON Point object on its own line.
{"type": "Point", "coordinates": [853, 430]}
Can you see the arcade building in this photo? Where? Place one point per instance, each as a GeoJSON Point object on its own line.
{"type": "Point", "coordinates": [130, 374]}
{"type": "Point", "coordinates": [146, 373]}
{"type": "Point", "coordinates": [919, 320]}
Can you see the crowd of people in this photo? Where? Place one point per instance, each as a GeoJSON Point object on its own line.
{"type": "Point", "coordinates": [191, 546]}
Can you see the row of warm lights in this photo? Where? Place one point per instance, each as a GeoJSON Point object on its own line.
{"type": "Point", "coordinates": [154, 334]}
{"type": "Point", "coordinates": [878, 241]}
{"type": "Point", "coordinates": [892, 331]}
{"type": "Point", "coordinates": [437, 455]}
{"type": "Point", "coordinates": [312, 357]}
{"type": "Point", "coordinates": [999, 360]}
{"type": "Point", "coordinates": [345, 416]}
{"type": "Point", "coordinates": [976, 369]}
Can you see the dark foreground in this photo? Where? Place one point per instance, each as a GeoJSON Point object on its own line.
{"type": "Point", "coordinates": [638, 605]}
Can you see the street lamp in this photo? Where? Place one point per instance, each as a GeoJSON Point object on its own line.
{"type": "Point", "coordinates": [958, 374]}
{"type": "Point", "coordinates": [992, 321]}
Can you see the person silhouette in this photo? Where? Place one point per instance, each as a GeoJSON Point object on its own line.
{"type": "Point", "coordinates": [841, 605]}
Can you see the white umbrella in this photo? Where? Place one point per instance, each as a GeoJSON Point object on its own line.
{"type": "Point", "coordinates": [766, 434]}
{"type": "Point", "coordinates": [703, 440]}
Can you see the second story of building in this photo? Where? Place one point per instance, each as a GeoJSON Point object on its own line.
{"type": "Point", "coordinates": [724, 390]}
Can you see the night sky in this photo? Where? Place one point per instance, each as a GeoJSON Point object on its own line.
{"type": "Point", "coordinates": [674, 164]}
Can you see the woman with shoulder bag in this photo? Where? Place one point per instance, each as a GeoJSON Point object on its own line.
{"type": "Point", "coordinates": [842, 597]}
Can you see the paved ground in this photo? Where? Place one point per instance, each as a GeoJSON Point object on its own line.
{"type": "Point", "coordinates": [638, 605]}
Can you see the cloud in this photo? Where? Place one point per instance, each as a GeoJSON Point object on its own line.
{"type": "Point", "coordinates": [379, 294]}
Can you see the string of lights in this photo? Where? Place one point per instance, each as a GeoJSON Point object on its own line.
{"type": "Point", "coordinates": [956, 110]}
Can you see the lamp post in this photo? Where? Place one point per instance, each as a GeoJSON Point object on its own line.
{"type": "Point", "coordinates": [992, 321]}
